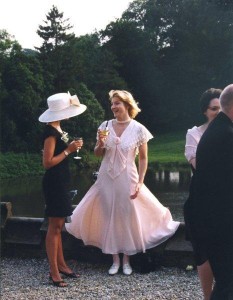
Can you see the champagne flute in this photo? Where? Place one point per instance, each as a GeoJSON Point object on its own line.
{"type": "Point", "coordinates": [78, 138]}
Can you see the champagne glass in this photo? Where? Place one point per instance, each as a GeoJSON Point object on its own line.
{"type": "Point", "coordinates": [105, 131]}
{"type": "Point", "coordinates": [77, 138]}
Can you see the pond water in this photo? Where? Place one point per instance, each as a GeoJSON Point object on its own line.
{"type": "Point", "coordinates": [25, 194]}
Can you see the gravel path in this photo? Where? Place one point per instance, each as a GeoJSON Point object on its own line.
{"type": "Point", "coordinates": [27, 279]}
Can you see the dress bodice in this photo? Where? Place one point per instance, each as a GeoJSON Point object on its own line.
{"type": "Point", "coordinates": [122, 150]}
{"type": "Point", "coordinates": [61, 169]}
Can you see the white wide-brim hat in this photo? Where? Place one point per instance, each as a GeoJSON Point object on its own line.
{"type": "Point", "coordinates": [62, 106]}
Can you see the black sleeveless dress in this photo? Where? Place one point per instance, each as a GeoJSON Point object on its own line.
{"type": "Point", "coordinates": [56, 180]}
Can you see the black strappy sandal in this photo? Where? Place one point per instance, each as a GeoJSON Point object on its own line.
{"type": "Point", "coordinates": [70, 275]}
{"type": "Point", "coordinates": [58, 283]}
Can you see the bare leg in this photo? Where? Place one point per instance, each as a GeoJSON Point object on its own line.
{"type": "Point", "coordinates": [52, 243]}
{"type": "Point", "coordinates": [116, 259]}
{"type": "Point", "coordinates": [127, 270]}
{"type": "Point", "coordinates": [125, 259]}
{"type": "Point", "coordinates": [62, 266]}
{"type": "Point", "coordinates": [206, 278]}
{"type": "Point", "coordinates": [116, 264]}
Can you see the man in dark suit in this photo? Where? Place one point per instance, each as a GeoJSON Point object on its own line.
{"type": "Point", "coordinates": [213, 197]}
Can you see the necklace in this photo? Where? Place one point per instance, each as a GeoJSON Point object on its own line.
{"type": "Point", "coordinates": [58, 128]}
{"type": "Point", "coordinates": [122, 122]}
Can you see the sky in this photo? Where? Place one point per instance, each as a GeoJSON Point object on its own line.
{"type": "Point", "coordinates": [21, 18]}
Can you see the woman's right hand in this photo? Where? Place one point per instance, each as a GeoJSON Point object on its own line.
{"type": "Point", "coordinates": [101, 138]}
{"type": "Point", "coordinates": [99, 147]}
{"type": "Point", "coordinates": [75, 145]}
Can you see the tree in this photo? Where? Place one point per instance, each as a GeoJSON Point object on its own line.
{"type": "Point", "coordinates": [171, 51]}
{"type": "Point", "coordinates": [22, 88]}
{"type": "Point", "coordinates": [87, 62]}
{"type": "Point", "coordinates": [53, 51]}
{"type": "Point", "coordinates": [138, 57]}
{"type": "Point", "coordinates": [197, 55]}
{"type": "Point", "coordinates": [95, 66]}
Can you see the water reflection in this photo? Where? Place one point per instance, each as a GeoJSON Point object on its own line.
{"type": "Point", "coordinates": [171, 188]}
{"type": "Point", "coordinates": [168, 181]}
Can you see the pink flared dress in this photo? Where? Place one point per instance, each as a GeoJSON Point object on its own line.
{"type": "Point", "coordinates": [106, 217]}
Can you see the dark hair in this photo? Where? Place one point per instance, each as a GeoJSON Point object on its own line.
{"type": "Point", "coordinates": [207, 96]}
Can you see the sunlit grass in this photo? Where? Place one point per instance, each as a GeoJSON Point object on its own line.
{"type": "Point", "coordinates": [167, 148]}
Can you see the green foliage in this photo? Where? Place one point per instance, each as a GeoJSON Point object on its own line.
{"type": "Point", "coordinates": [164, 151]}
{"type": "Point", "coordinates": [133, 48]}
{"type": "Point", "coordinates": [54, 33]}
{"type": "Point", "coordinates": [53, 52]}
{"type": "Point", "coordinates": [20, 165]}
{"type": "Point", "coordinates": [172, 51]}
{"type": "Point", "coordinates": [22, 85]}
{"type": "Point", "coordinates": [95, 66]}
{"type": "Point", "coordinates": [86, 124]}
{"type": "Point", "coordinates": [166, 52]}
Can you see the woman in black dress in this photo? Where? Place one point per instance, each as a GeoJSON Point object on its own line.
{"type": "Point", "coordinates": [56, 179]}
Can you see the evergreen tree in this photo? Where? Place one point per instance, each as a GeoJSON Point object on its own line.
{"type": "Point", "coordinates": [53, 51]}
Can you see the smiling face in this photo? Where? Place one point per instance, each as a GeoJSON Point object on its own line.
{"type": "Point", "coordinates": [213, 109]}
{"type": "Point", "coordinates": [119, 109]}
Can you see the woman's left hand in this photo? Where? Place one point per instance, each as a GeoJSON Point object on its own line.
{"type": "Point", "coordinates": [137, 190]}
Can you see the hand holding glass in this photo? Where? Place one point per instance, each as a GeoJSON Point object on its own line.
{"type": "Point", "coordinates": [78, 139]}
{"type": "Point", "coordinates": [104, 132]}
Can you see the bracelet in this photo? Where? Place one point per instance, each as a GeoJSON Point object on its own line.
{"type": "Point", "coordinates": [66, 153]}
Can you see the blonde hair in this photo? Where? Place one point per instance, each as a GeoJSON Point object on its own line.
{"type": "Point", "coordinates": [128, 99]}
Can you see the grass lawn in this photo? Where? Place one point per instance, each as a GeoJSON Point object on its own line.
{"type": "Point", "coordinates": [166, 149]}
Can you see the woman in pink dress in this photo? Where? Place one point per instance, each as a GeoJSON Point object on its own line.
{"type": "Point", "coordinates": [119, 214]}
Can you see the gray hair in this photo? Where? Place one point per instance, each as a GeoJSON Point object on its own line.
{"type": "Point", "coordinates": [226, 98]}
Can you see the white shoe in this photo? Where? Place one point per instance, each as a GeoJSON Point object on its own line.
{"type": "Point", "coordinates": [127, 270]}
{"type": "Point", "coordinates": [114, 269]}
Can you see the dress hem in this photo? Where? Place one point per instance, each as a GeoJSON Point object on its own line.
{"type": "Point", "coordinates": [94, 244]}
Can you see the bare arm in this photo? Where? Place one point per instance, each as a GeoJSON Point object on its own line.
{"type": "Point", "coordinates": [49, 160]}
{"type": "Point", "coordinates": [193, 162]}
{"type": "Point", "coordinates": [142, 168]}
{"type": "Point", "coordinates": [143, 162]}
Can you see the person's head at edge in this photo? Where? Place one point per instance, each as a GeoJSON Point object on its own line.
{"type": "Point", "coordinates": [210, 104]}
{"type": "Point", "coordinates": [226, 101]}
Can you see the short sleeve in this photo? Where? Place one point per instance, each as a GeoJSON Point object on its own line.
{"type": "Point", "coordinates": [49, 131]}
{"type": "Point", "coordinates": [144, 135]}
